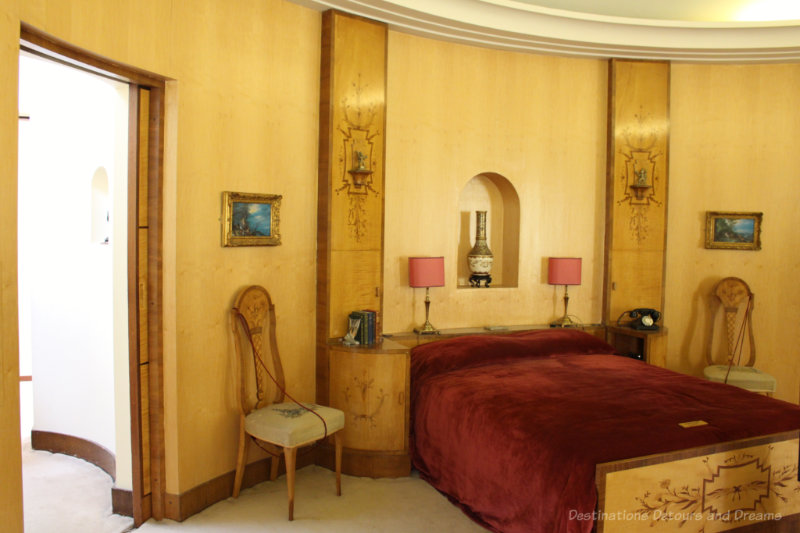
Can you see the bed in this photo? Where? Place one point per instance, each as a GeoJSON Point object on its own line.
{"type": "Point", "coordinates": [549, 431]}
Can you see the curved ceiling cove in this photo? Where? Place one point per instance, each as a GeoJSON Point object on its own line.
{"type": "Point", "coordinates": [529, 26]}
{"type": "Point", "coordinates": [677, 10]}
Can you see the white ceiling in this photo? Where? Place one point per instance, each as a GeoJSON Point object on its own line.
{"type": "Point", "coordinates": [685, 10]}
{"type": "Point", "coordinates": [739, 31]}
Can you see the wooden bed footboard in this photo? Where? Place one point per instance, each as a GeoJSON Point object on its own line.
{"type": "Point", "coordinates": [750, 484]}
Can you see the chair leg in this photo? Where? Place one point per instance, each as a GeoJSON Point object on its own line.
{"type": "Point", "coordinates": [241, 458]}
{"type": "Point", "coordinates": [337, 440]}
{"type": "Point", "coordinates": [273, 467]}
{"type": "Point", "coordinates": [290, 454]}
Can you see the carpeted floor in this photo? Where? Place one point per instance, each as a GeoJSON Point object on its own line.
{"type": "Point", "coordinates": [63, 494]}
{"type": "Point", "coordinates": [404, 505]}
{"type": "Point", "coordinates": [68, 495]}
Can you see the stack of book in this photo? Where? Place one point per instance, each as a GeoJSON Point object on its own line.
{"type": "Point", "coordinates": [368, 329]}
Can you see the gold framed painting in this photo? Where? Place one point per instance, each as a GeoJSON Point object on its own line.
{"type": "Point", "coordinates": [250, 219]}
{"type": "Point", "coordinates": [733, 230]}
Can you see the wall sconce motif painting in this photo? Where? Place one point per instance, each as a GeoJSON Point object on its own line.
{"type": "Point", "coordinates": [356, 158]}
{"type": "Point", "coordinates": [733, 230]}
{"type": "Point", "coordinates": [640, 179]}
{"type": "Point", "coordinates": [250, 219]}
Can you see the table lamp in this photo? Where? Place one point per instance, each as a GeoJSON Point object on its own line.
{"type": "Point", "coordinates": [564, 271]}
{"type": "Point", "coordinates": [426, 272]}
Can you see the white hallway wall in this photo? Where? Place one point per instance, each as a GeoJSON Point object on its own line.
{"type": "Point", "coordinates": [72, 290]}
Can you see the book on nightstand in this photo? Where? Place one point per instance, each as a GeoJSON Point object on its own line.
{"type": "Point", "coordinates": [366, 329]}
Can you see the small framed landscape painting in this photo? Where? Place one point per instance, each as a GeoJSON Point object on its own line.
{"type": "Point", "coordinates": [733, 231]}
{"type": "Point", "coordinates": [250, 219]}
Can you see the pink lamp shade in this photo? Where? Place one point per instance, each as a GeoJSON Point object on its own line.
{"type": "Point", "coordinates": [426, 271]}
{"type": "Point", "coordinates": [564, 271]}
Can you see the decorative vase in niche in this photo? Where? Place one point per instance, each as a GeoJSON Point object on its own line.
{"type": "Point", "coordinates": [480, 258]}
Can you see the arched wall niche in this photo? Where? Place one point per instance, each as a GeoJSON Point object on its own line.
{"type": "Point", "coordinates": [494, 194]}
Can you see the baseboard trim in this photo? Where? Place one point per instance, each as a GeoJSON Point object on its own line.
{"type": "Point", "coordinates": [179, 507]}
{"type": "Point", "coordinates": [121, 501]}
{"type": "Point", "coordinates": [98, 455]}
{"type": "Point", "coordinates": [78, 447]}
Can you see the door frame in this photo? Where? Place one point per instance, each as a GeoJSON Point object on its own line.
{"type": "Point", "coordinates": [145, 277]}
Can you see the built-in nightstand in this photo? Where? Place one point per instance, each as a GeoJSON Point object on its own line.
{"type": "Point", "coordinates": [371, 385]}
{"type": "Point", "coordinates": [650, 345]}
{"type": "Point", "coordinates": [411, 339]}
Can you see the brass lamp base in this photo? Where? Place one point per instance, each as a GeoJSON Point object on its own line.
{"type": "Point", "coordinates": [426, 329]}
{"type": "Point", "coordinates": [563, 322]}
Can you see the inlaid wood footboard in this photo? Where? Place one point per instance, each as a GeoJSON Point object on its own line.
{"type": "Point", "coordinates": [750, 484]}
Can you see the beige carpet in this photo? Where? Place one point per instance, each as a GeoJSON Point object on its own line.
{"type": "Point", "coordinates": [404, 505]}
{"type": "Point", "coordinates": [63, 494]}
{"type": "Point", "coordinates": [66, 495]}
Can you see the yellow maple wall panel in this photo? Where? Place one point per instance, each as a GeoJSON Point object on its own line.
{"type": "Point", "coordinates": [637, 185]}
{"type": "Point", "coordinates": [457, 111]}
{"type": "Point", "coordinates": [358, 278]}
{"type": "Point", "coordinates": [111, 28]}
{"type": "Point", "coordinates": [638, 285]}
{"type": "Point", "coordinates": [248, 102]}
{"type": "Point", "coordinates": [353, 103]}
{"type": "Point", "coordinates": [358, 95]}
{"type": "Point", "coordinates": [10, 460]}
{"type": "Point", "coordinates": [733, 148]}
{"type": "Point", "coordinates": [244, 108]}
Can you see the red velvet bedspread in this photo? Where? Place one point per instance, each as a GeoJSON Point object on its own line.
{"type": "Point", "coordinates": [510, 427]}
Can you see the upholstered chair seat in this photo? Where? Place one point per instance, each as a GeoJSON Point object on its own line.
{"type": "Point", "coordinates": [289, 425]}
{"type": "Point", "coordinates": [745, 377]}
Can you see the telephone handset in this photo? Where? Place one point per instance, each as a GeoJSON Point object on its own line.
{"type": "Point", "coordinates": [642, 318]}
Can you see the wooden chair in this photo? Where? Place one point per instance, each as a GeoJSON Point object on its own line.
{"type": "Point", "coordinates": [735, 299]}
{"type": "Point", "coordinates": [273, 424]}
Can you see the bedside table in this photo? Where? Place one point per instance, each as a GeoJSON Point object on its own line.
{"type": "Point", "coordinates": [650, 344]}
{"type": "Point", "coordinates": [371, 385]}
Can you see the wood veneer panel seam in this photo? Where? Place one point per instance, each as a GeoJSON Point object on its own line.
{"type": "Point", "coordinates": [609, 237]}
{"type": "Point", "coordinates": [140, 515]}
{"type": "Point", "coordinates": [155, 309]}
{"type": "Point", "coordinates": [324, 206]}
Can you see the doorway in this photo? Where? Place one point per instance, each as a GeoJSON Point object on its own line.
{"type": "Point", "coordinates": [72, 261]}
{"type": "Point", "coordinates": [141, 239]}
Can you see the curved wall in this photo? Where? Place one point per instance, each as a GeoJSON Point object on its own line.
{"type": "Point", "coordinates": [455, 111]}
{"type": "Point", "coordinates": [538, 120]}
{"type": "Point", "coordinates": [734, 130]}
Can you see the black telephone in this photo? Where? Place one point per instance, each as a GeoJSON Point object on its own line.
{"type": "Point", "coordinates": [642, 318]}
